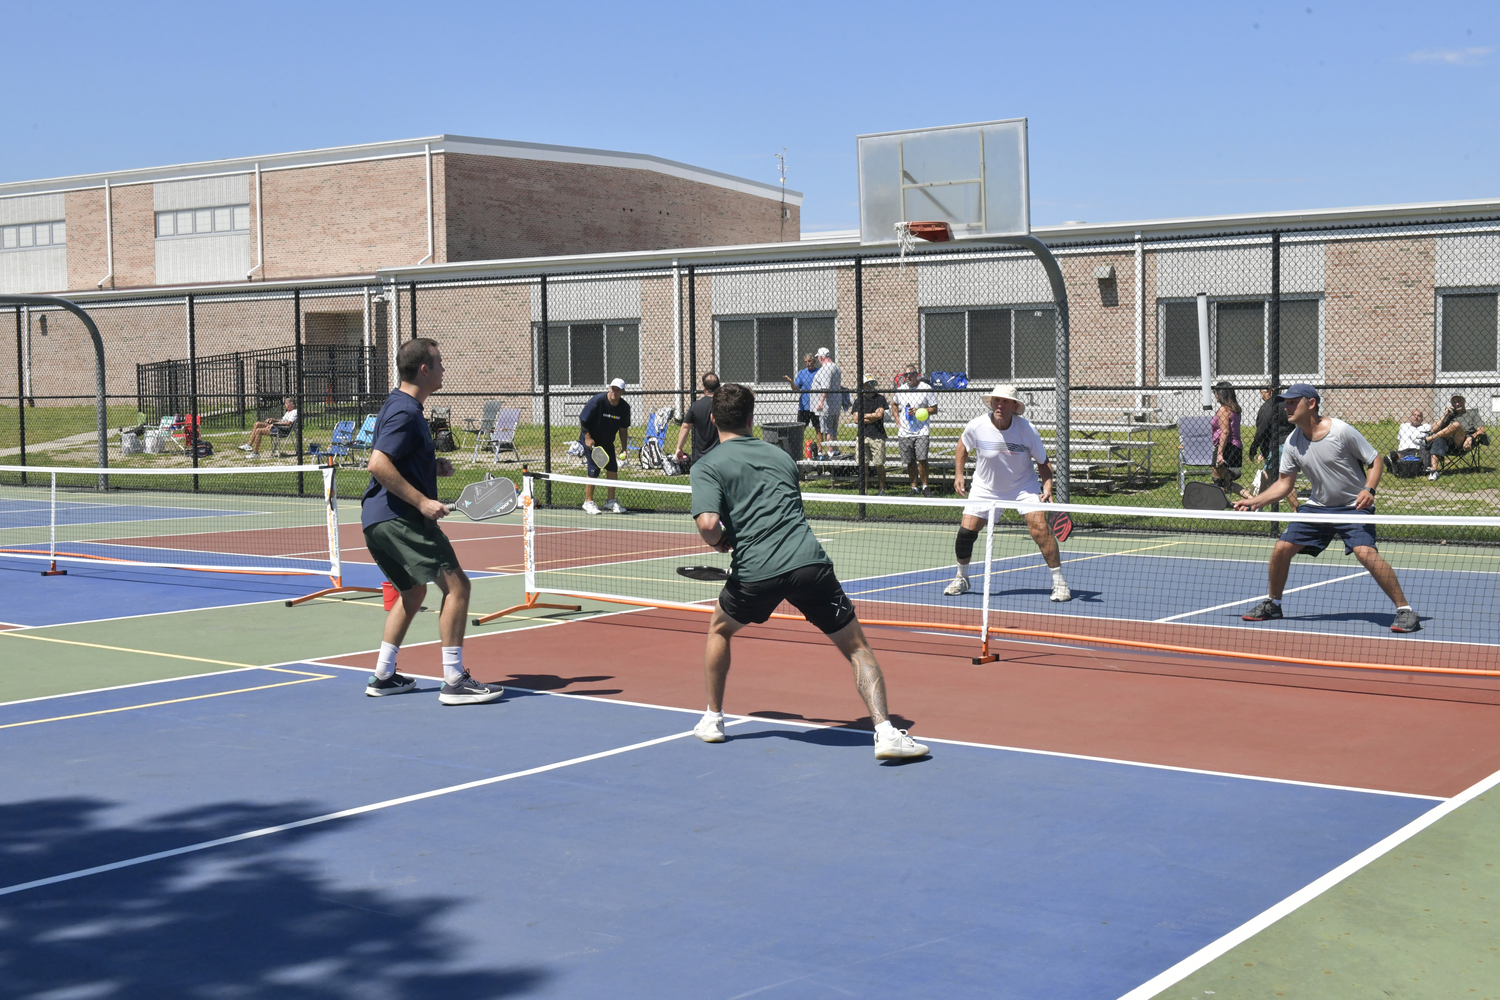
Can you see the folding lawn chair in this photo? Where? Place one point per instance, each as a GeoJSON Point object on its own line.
{"type": "Point", "coordinates": [343, 437]}
{"type": "Point", "coordinates": [1195, 448]}
{"type": "Point", "coordinates": [363, 442]}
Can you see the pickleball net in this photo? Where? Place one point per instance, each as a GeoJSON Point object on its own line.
{"type": "Point", "coordinates": [280, 521]}
{"type": "Point", "coordinates": [1155, 579]}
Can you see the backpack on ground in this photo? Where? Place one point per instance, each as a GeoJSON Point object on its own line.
{"type": "Point", "coordinates": [651, 456]}
{"type": "Point", "coordinates": [443, 441]}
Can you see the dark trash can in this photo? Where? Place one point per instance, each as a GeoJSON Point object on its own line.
{"type": "Point", "coordinates": [787, 437]}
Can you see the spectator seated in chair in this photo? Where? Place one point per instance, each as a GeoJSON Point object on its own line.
{"type": "Point", "coordinates": [1412, 454]}
{"type": "Point", "coordinates": [264, 427]}
{"type": "Point", "coordinates": [1458, 432]}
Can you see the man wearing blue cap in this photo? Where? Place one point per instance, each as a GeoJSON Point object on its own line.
{"type": "Point", "coordinates": [1344, 470]}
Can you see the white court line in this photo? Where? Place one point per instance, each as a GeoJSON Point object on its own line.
{"type": "Point", "coordinates": [1231, 604]}
{"type": "Point", "coordinates": [330, 817]}
{"type": "Point", "coordinates": [1203, 956]}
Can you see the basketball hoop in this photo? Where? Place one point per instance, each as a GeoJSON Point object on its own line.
{"type": "Point", "coordinates": [907, 233]}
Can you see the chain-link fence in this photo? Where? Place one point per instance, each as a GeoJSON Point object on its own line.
{"type": "Point", "coordinates": [1390, 322]}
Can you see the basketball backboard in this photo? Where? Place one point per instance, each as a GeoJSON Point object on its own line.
{"type": "Point", "coordinates": [973, 177]}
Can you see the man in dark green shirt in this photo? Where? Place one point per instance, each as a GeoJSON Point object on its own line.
{"type": "Point", "coordinates": [746, 501]}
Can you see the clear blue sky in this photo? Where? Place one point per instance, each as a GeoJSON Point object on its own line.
{"type": "Point", "coordinates": [1142, 111]}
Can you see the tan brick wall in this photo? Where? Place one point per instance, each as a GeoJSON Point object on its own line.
{"type": "Point", "coordinates": [134, 237]}
{"type": "Point", "coordinates": [1378, 312]}
{"type": "Point", "coordinates": [1101, 317]}
{"type": "Point", "coordinates": [88, 257]}
{"type": "Point", "coordinates": [349, 218]}
{"type": "Point", "coordinates": [499, 207]}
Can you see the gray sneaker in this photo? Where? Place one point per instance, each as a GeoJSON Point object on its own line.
{"type": "Point", "coordinates": [394, 684]}
{"type": "Point", "coordinates": [1406, 621]}
{"type": "Point", "coordinates": [467, 691]}
{"type": "Point", "coordinates": [1264, 611]}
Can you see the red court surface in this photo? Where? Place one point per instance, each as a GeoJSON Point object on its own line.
{"type": "Point", "coordinates": [1421, 734]}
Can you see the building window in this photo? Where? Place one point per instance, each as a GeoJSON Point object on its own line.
{"type": "Point", "coordinates": [1467, 334]}
{"type": "Point", "coordinates": [201, 221]}
{"type": "Point", "coordinates": [995, 345]}
{"type": "Point", "coordinates": [33, 234]}
{"type": "Point", "coordinates": [591, 354]}
{"type": "Point", "coordinates": [760, 350]}
{"type": "Point", "coordinates": [1238, 332]}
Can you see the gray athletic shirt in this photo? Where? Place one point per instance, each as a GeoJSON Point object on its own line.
{"type": "Point", "coordinates": [1335, 465]}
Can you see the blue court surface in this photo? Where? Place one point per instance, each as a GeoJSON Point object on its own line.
{"type": "Point", "coordinates": [38, 513]}
{"type": "Point", "coordinates": [1322, 595]}
{"type": "Point", "coordinates": [102, 590]}
{"type": "Point", "coordinates": [785, 863]}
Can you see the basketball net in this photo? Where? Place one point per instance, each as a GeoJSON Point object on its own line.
{"type": "Point", "coordinates": [906, 238]}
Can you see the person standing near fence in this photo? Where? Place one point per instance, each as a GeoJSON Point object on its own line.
{"type": "Point", "coordinates": [913, 436]}
{"type": "Point", "coordinates": [400, 513]}
{"type": "Point", "coordinates": [1271, 430]}
{"type": "Point", "coordinates": [870, 407]}
{"type": "Point", "coordinates": [603, 418]}
{"type": "Point", "coordinates": [828, 401]}
{"type": "Point", "coordinates": [697, 418]}
{"type": "Point", "coordinates": [803, 380]}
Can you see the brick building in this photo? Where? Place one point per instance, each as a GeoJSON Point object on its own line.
{"type": "Point", "coordinates": [352, 210]}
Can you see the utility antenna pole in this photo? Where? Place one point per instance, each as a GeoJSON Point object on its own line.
{"type": "Point", "coordinates": [781, 160]}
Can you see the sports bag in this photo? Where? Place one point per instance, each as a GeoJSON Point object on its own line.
{"type": "Point", "coordinates": [949, 380]}
{"type": "Point", "coordinates": [651, 456]}
{"type": "Point", "coordinates": [443, 441]}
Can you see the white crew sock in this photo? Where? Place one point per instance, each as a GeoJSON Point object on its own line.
{"type": "Point", "coordinates": [453, 664]}
{"type": "Point", "coordinates": [1057, 576]}
{"type": "Point", "coordinates": [710, 714]}
{"type": "Point", "coordinates": [385, 663]}
{"type": "Point", "coordinates": [885, 731]}
{"type": "Point", "coordinates": [1404, 607]}
{"type": "Point", "coordinates": [963, 570]}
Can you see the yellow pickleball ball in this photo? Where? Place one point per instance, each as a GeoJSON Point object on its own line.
{"type": "Point", "coordinates": [922, 415]}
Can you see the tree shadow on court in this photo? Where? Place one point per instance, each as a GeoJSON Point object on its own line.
{"type": "Point", "coordinates": [552, 682]}
{"type": "Point", "coordinates": [243, 920]}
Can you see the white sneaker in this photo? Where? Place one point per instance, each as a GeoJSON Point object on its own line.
{"type": "Point", "coordinates": [244, 447]}
{"type": "Point", "coordinates": [960, 585]}
{"type": "Point", "coordinates": [589, 507]}
{"type": "Point", "coordinates": [1432, 476]}
{"type": "Point", "coordinates": [614, 507]}
{"type": "Point", "coordinates": [1060, 592]}
{"type": "Point", "coordinates": [898, 746]}
{"type": "Point", "coordinates": [710, 729]}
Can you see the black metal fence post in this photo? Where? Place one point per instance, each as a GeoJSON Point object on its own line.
{"type": "Point", "coordinates": [546, 396]}
{"type": "Point", "coordinates": [239, 385]}
{"type": "Point", "coordinates": [859, 380]}
{"type": "Point", "coordinates": [21, 390]}
{"type": "Point", "coordinates": [413, 301]}
{"type": "Point", "coordinates": [195, 419]}
{"type": "Point", "coordinates": [1273, 332]}
{"type": "Point", "coordinates": [301, 403]}
{"type": "Point", "coordinates": [692, 381]}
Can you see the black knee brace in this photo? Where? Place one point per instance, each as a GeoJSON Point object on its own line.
{"type": "Point", "coordinates": [964, 546]}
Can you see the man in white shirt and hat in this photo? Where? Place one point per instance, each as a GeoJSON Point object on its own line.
{"type": "Point", "coordinates": [1010, 465]}
{"type": "Point", "coordinates": [828, 401]}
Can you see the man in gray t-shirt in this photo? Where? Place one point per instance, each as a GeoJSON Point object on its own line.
{"type": "Point", "coordinates": [1334, 457]}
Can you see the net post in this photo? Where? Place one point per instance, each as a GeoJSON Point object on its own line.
{"type": "Point", "coordinates": [985, 656]}
{"type": "Point", "coordinates": [52, 569]}
{"type": "Point", "coordinates": [528, 549]}
{"type": "Point", "coordinates": [331, 497]}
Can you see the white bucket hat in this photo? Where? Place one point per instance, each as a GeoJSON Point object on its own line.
{"type": "Point", "coordinates": [1006, 392]}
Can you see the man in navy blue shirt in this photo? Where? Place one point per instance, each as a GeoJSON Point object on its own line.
{"type": "Point", "coordinates": [603, 418]}
{"type": "Point", "coordinates": [400, 514]}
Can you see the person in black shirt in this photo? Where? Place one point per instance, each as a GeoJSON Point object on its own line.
{"type": "Point", "coordinates": [603, 418]}
{"type": "Point", "coordinates": [870, 410]}
{"type": "Point", "coordinates": [1271, 431]}
{"type": "Point", "coordinates": [705, 434]}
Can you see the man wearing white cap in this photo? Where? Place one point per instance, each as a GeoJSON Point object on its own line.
{"type": "Point", "coordinates": [1010, 464]}
{"type": "Point", "coordinates": [602, 419]}
{"type": "Point", "coordinates": [828, 400]}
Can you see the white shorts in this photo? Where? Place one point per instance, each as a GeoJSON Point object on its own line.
{"type": "Point", "coordinates": [981, 508]}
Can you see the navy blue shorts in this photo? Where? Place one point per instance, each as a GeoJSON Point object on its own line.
{"type": "Point", "coordinates": [1314, 538]}
{"type": "Point", "coordinates": [613, 465]}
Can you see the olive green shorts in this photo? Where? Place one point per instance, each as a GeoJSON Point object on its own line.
{"type": "Point", "coordinates": [410, 552]}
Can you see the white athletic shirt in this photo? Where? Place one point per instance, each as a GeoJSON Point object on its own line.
{"type": "Point", "coordinates": [907, 424]}
{"type": "Point", "coordinates": [1004, 461]}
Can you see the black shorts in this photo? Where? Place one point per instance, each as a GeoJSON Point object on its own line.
{"type": "Point", "coordinates": [613, 465]}
{"type": "Point", "coordinates": [410, 552]}
{"type": "Point", "coordinates": [812, 590]}
{"type": "Point", "coordinates": [807, 418]}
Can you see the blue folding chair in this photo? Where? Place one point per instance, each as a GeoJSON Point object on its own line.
{"type": "Point", "coordinates": [343, 438]}
{"type": "Point", "coordinates": [363, 442]}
